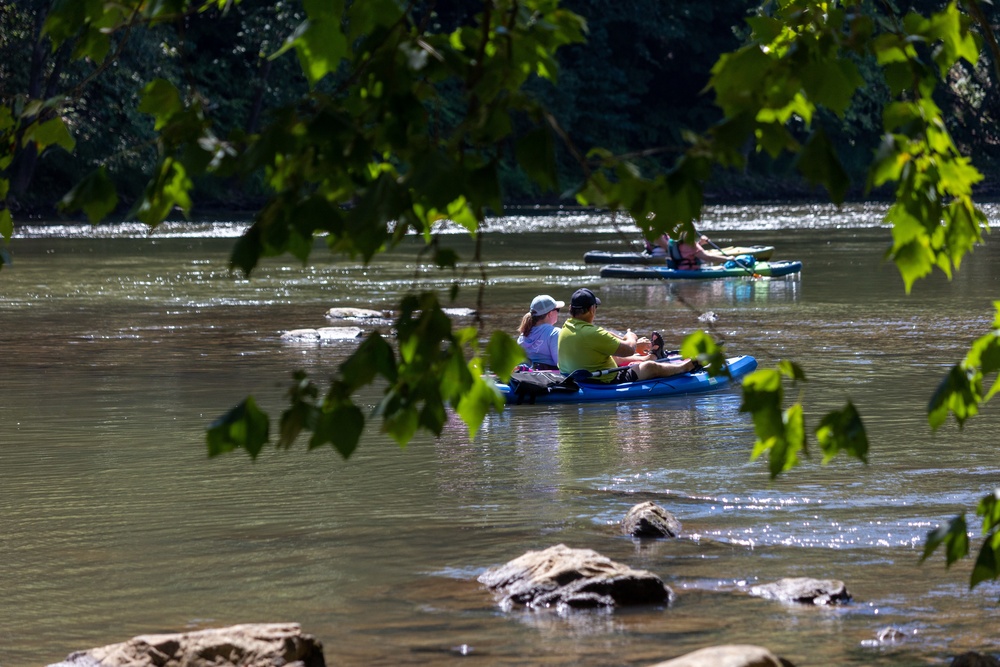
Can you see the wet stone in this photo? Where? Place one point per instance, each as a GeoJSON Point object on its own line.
{"type": "Point", "coordinates": [562, 577]}
{"type": "Point", "coordinates": [650, 520]}
{"type": "Point", "coordinates": [728, 655]}
{"type": "Point", "coordinates": [804, 590]}
{"type": "Point", "coordinates": [250, 645]}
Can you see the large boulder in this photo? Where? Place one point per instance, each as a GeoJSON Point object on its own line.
{"type": "Point", "coordinates": [563, 577]}
{"type": "Point", "coordinates": [251, 645]}
{"type": "Point", "coordinates": [728, 655]}
{"type": "Point", "coordinates": [804, 590]}
{"type": "Point", "coordinates": [650, 520]}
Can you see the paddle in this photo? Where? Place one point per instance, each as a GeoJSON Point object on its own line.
{"type": "Point", "coordinates": [584, 374]}
{"type": "Point", "coordinates": [737, 260]}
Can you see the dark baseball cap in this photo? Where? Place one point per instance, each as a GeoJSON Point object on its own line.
{"type": "Point", "coordinates": [583, 298]}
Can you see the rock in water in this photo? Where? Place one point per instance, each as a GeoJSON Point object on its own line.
{"type": "Point", "coordinates": [354, 314]}
{"type": "Point", "coordinates": [650, 520]}
{"type": "Point", "coordinates": [251, 645]}
{"type": "Point", "coordinates": [804, 590]}
{"type": "Point", "coordinates": [973, 659]}
{"type": "Point", "coordinates": [728, 655]}
{"type": "Point", "coordinates": [563, 577]}
{"type": "Point", "coordinates": [322, 335]}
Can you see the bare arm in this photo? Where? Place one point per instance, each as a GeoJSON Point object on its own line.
{"type": "Point", "coordinates": [706, 256]}
{"type": "Point", "coordinates": [631, 345]}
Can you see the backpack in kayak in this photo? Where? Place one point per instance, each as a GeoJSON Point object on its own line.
{"type": "Point", "coordinates": [527, 385]}
{"type": "Point", "coordinates": [742, 262]}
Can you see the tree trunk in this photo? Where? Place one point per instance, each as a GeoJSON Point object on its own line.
{"type": "Point", "coordinates": [253, 120]}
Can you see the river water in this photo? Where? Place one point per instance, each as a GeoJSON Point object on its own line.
{"type": "Point", "coordinates": [120, 347]}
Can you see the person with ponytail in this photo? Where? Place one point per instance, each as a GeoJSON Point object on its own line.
{"type": "Point", "coordinates": [538, 334]}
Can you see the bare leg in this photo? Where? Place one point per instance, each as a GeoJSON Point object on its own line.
{"type": "Point", "coordinates": [659, 369]}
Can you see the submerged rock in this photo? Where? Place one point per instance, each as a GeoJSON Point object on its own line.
{"type": "Point", "coordinates": [887, 635]}
{"type": "Point", "coordinates": [804, 590]}
{"type": "Point", "coordinates": [354, 314]}
{"type": "Point", "coordinates": [322, 335]}
{"type": "Point", "coordinates": [973, 659]}
{"type": "Point", "coordinates": [251, 645]}
{"type": "Point", "coordinates": [563, 577]}
{"type": "Point", "coordinates": [728, 655]}
{"type": "Point", "coordinates": [650, 520]}
{"type": "Point", "coordinates": [459, 312]}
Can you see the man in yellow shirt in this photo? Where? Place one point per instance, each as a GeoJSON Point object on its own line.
{"type": "Point", "coordinates": [582, 345]}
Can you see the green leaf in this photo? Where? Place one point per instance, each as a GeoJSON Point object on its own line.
{"type": "Point", "coordinates": [400, 424]}
{"type": "Point", "coordinates": [54, 132]}
{"type": "Point", "coordinates": [819, 163]}
{"type": "Point", "coordinates": [701, 346]}
{"type": "Point", "coordinates": [989, 509]}
{"type": "Point", "coordinates": [244, 426]}
{"type": "Point", "coordinates": [843, 431]}
{"type": "Point", "coordinates": [93, 44]}
{"type": "Point", "coordinates": [503, 354]}
{"type": "Point", "coordinates": [342, 427]}
{"type": "Point", "coordinates": [736, 75]}
{"type": "Point", "coordinates": [65, 17]}
{"type": "Point", "coordinates": [162, 100]}
{"type": "Point", "coordinates": [955, 538]}
{"type": "Point", "coordinates": [95, 194]}
{"type": "Point", "coordinates": [247, 250]}
{"type": "Point", "coordinates": [987, 565]}
{"type": "Point", "coordinates": [6, 224]}
{"type": "Point", "coordinates": [170, 187]}
{"type": "Point", "coordinates": [364, 18]}
{"type": "Point", "coordinates": [302, 412]}
{"type": "Point", "coordinates": [959, 393]}
{"type": "Point", "coordinates": [475, 404]}
{"type": "Point", "coordinates": [911, 248]}
{"type": "Point", "coordinates": [791, 370]}
{"type": "Point", "coordinates": [320, 45]}
{"type": "Point", "coordinates": [373, 358]}
{"type": "Point", "coordinates": [831, 83]}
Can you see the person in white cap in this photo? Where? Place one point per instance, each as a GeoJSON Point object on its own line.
{"type": "Point", "coordinates": [538, 334]}
{"type": "Point", "coordinates": [585, 346]}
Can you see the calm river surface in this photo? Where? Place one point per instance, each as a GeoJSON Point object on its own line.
{"type": "Point", "coordinates": [119, 348]}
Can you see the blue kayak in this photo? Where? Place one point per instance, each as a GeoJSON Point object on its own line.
{"type": "Point", "coordinates": [685, 383]}
{"type": "Point", "coordinates": [768, 269]}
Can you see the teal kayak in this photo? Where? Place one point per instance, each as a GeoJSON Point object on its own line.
{"type": "Point", "coordinates": [768, 269]}
{"type": "Point", "coordinates": [758, 252]}
{"type": "Point", "coordinates": [677, 385]}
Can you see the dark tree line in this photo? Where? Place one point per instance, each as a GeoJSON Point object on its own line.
{"type": "Point", "coordinates": [637, 85]}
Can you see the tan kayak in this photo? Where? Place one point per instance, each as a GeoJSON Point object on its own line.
{"type": "Point", "coordinates": [758, 252]}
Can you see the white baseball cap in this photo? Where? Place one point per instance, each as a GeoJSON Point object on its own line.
{"type": "Point", "coordinates": [543, 303]}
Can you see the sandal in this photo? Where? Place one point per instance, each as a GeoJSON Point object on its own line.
{"type": "Point", "coordinates": [656, 345]}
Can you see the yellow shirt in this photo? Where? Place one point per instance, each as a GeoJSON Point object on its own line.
{"type": "Point", "coordinates": [587, 346]}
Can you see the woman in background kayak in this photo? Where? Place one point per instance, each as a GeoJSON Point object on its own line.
{"type": "Point", "coordinates": [683, 255]}
{"type": "Point", "coordinates": [538, 334]}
